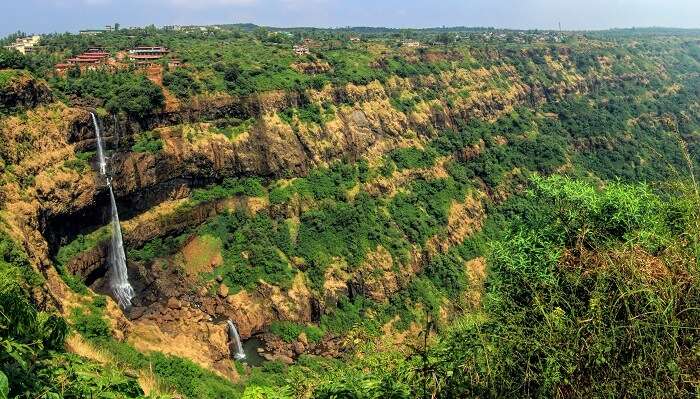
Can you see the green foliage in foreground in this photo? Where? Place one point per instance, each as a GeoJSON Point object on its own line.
{"type": "Point", "coordinates": [589, 293]}
{"type": "Point", "coordinates": [32, 357]}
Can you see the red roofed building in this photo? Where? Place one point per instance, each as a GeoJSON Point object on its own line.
{"type": "Point", "coordinates": [148, 53]}
{"type": "Point", "coordinates": [89, 59]}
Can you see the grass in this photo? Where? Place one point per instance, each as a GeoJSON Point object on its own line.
{"type": "Point", "coordinates": [289, 331]}
{"type": "Point", "coordinates": [8, 75]}
{"type": "Point", "coordinates": [82, 243]}
{"type": "Point", "coordinates": [202, 254]}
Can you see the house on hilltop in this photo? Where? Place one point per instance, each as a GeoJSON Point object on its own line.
{"type": "Point", "coordinates": [301, 49]}
{"type": "Point", "coordinates": [411, 43]}
{"type": "Point", "coordinates": [25, 45]}
{"type": "Point", "coordinates": [90, 59]}
{"type": "Point", "coordinates": [146, 53]}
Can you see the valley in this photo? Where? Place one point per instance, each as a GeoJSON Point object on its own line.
{"type": "Point", "coordinates": [381, 213]}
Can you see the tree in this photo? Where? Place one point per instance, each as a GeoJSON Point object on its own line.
{"type": "Point", "coordinates": [11, 59]}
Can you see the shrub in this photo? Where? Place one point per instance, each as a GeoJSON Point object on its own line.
{"type": "Point", "coordinates": [189, 379]}
{"type": "Point", "coordinates": [148, 142]}
{"type": "Point", "coordinates": [290, 331]}
{"type": "Point", "coordinates": [413, 158]}
{"type": "Point", "coordinates": [90, 324]}
{"type": "Point", "coordinates": [181, 83]}
{"type": "Point", "coordinates": [251, 187]}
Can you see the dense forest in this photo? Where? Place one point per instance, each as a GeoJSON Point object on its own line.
{"type": "Point", "coordinates": [383, 213]}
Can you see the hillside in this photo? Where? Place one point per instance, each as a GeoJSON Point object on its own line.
{"type": "Point", "coordinates": [415, 213]}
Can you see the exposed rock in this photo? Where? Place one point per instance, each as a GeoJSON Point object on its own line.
{"type": "Point", "coordinates": [174, 303]}
{"type": "Point", "coordinates": [222, 291]}
{"type": "Point", "coordinates": [284, 359]}
{"type": "Point", "coordinates": [136, 312]}
{"type": "Point", "coordinates": [203, 342]}
{"type": "Point", "coordinates": [299, 348]}
{"type": "Point", "coordinates": [23, 90]}
{"type": "Point", "coordinates": [379, 280]}
{"type": "Point", "coordinates": [303, 339]}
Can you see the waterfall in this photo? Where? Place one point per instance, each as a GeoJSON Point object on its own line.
{"type": "Point", "coordinates": [118, 276]}
{"type": "Point", "coordinates": [236, 340]}
{"type": "Point", "coordinates": [100, 153]}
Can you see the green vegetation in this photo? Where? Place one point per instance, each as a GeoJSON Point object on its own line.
{"type": "Point", "coordinates": [576, 147]}
{"type": "Point", "coordinates": [413, 158]}
{"type": "Point", "coordinates": [82, 243]}
{"type": "Point", "coordinates": [89, 321]}
{"type": "Point", "coordinates": [122, 91]}
{"type": "Point", "coordinates": [81, 162]}
{"type": "Point", "coordinates": [7, 76]}
{"type": "Point", "coordinates": [585, 295]}
{"type": "Point", "coordinates": [290, 331]}
{"type": "Point", "coordinates": [148, 142]}
{"type": "Point", "coordinates": [230, 187]}
{"type": "Point", "coordinates": [181, 83]}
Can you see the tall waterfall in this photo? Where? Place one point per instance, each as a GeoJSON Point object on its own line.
{"type": "Point", "coordinates": [236, 340]}
{"type": "Point", "coordinates": [118, 276]}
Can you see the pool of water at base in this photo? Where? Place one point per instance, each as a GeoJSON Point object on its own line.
{"type": "Point", "coordinates": [250, 348]}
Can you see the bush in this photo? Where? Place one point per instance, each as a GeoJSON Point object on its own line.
{"type": "Point", "coordinates": [290, 331]}
{"type": "Point", "coordinates": [251, 187]}
{"type": "Point", "coordinates": [413, 158]}
{"type": "Point", "coordinates": [90, 324]}
{"type": "Point", "coordinates": [181, 83]}
{"type": "Point", "coordinates": [80, 163]}
{"type": "Point", "coordinates": [148, 142]}
{"type": "Point", "coordinates": [189, 379]}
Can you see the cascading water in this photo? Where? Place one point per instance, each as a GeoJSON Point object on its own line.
{"type": "Point", "coordinates": [118, 276]}
{"type": "Point", "coordinates": [236, 340]}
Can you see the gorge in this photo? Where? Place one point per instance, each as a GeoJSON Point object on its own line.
{"type": "Point", "coordinates": [480, 214]}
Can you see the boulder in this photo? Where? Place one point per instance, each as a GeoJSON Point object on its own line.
{"type": "Point", "coordinates": [222, 291]}
{"type": "Point", "coordinates": [174, 303]}
{"type": "Point", "coordinates": [299, 348]}
{"type": "Point", "coordinates": [284, 359]}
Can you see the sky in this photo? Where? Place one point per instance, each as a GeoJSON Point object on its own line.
{"type": "Point", "coordinates": [44, 16]}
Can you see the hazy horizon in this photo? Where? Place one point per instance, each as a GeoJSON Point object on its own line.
{"type": "Point", "coordinates": [47, 16]}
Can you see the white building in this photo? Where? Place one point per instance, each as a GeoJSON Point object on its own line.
{"type": "Point", "coordinates": [300, 49]}
{"type": "Point", "coordinates": [25, 44]}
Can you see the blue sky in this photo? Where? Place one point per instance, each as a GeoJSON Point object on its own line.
{"type": "Point", "coordinates": [40, 16]}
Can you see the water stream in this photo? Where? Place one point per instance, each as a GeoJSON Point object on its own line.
{"type": "Point", "coordinates": [118, 275]}
{"type": "Point", "coordinates": [236, 341]}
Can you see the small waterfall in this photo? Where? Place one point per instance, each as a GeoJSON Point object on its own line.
{"type": "Point", "coordinates": [118, 277]}
{"type": "Point", "coordinates": [236, 340]}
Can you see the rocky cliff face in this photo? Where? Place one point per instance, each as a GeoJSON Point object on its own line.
{"type": "Point", "coordinates": [368, 126]}
{"type": "Point", "coordinates": [49, 198]}
{"type": "Point", "coordinates": [20, 90]}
